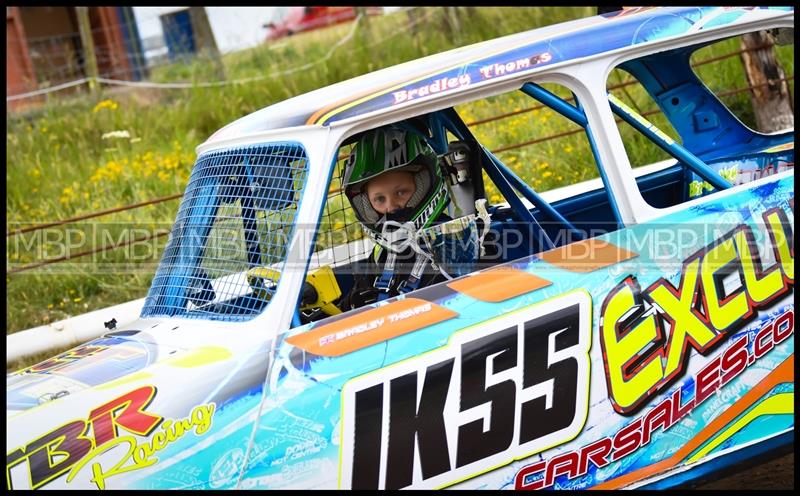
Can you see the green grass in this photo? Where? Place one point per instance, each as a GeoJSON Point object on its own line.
{"type": "Point", "coordinates": [58, 164]}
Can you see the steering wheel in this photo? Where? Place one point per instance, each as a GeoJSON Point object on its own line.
{"type": "Point", "coordinates": [320, 289]}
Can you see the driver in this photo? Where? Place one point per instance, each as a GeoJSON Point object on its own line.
{"type": "Point", "coordinates": [395, 186]}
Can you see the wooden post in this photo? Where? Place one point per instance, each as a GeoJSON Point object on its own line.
{"type": "Point", "coordinates": [770, 90]}
{"type": "Point", "coordinates": [452, 24]}
{"type": "Point", "coordinates": [204, 38]}
{"type": "Point", "coordinates": [364, 29]}
{"type": "Point", "coordinates": [414, 15]}
{"type": "Point", "coordinates": [90, 60]}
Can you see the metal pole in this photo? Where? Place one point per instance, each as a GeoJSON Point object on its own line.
{"type": "Point", "coordinates": [90, 60]}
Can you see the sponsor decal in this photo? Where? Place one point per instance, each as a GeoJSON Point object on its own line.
{"type": "Point", "coordinates": [371, 327]}
{"type": "Point", "coordinates": [500, 390]}
{"type": "Point", "coordinates": [587, 255]}
{"type": "Point", "coordinates": [737, 176]}
{"type": "Point", "coordinates": [645, 335]}
{"type": "Point", "coordinates": [88, 444]}
{"type": "Point", "coordinates": [64, 359]}
{"type": "Point", "coordinates": [498, 69]}
{"type": "Point", "coordinates": [662, 417]}
{"type": "Point", "coordinates": [437, 86]}
{"type": "Point", "coordinates": [498, 284]}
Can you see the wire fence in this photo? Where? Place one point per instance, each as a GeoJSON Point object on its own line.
{"type": "Point", "coordinates": [59, 58]}
{"type": "Point", "coordinates": [409, 26]}
{"type": "Point", "coordinates": [116, 69]}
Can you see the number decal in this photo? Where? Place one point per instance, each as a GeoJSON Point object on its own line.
{"type": "Point", "coordinates": [501, 390]}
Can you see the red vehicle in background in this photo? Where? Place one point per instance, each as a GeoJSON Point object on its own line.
{"type": "Point", "coordinates": [291, 20]}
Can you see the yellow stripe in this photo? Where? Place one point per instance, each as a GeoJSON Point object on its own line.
{"type": "Point", "coordinates": [199, 357]}
{"type": "Point", "coordinates": [780, 404]}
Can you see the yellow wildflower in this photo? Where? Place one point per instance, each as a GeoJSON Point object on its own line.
{"type": "Point", "coordinates": [109, 104]}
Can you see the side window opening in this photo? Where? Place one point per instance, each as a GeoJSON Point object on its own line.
{"type": "Point", "coordinates": [540, 137]}
{"type": "Point", "coordinates": [510, 165]}
{"type": "Point", "coordinates": [701, 96]}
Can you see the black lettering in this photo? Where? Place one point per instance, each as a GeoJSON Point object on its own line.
{"type": "Point", "coordinates": [69, 440]}
{"type": "Point", "coordinates": [473, 443]}
{"type": "Point", "coordinates": [537, 419]}
{"type": "Point", "coordinates": [367, 442]}
{"type": "Point", "coordinates": [424, 423]}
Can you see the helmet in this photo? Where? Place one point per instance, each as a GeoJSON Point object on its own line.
{"type": "Point", "coordinates": [389, 148]}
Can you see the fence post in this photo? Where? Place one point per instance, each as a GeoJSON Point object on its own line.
{"type": "Point", "coordinates": [204, 38]}
{"type": "Point", "coordinates": [89, 58]}
{"type": "Point", "coordinates": [770, 92]}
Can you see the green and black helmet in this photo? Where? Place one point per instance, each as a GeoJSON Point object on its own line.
{"type": "Point", "coordinates": [389, 148]}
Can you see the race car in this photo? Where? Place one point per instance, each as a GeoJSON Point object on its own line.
{"type": "Point", "coordinates": [632, 330]}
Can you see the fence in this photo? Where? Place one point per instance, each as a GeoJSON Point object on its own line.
{"type": "Point", "coordinates": [176, 196]}
{"type": "Point", "coordinates": [55, 76]}
{"type": "Point", "coordinates": [412, 25]}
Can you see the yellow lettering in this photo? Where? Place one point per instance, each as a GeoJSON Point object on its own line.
{"type": "Point", "coordinates": [685, 323]}
{"type": "Point", "coordinates": [99, 475]}
{"type": "Point", "coordinates": [782, 240]}
{"type": "Point", "coordinates": [760, 290]}
{"type": "Point", "coordinates": [201, 417]}
{"type": "Point", "coordinates": [620, 351]}
{"type": "Point", "coordinates": [722, 316]}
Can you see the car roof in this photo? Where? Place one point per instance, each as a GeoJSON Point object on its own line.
{"type": "Point", "coordinates": [435, 76]}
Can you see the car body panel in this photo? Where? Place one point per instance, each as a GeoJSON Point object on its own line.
{"type": "Point", "coordinates": [628, 359]}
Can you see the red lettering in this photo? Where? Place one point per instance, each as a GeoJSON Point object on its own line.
{"type": "Point", "coordinates": [734, 360]}
{"type": "Point", "coordinates": [56, 452]}
{"type": "Point", "coordinates": [707, 381]}
{"type": "Point", "coordinates": [788, 319]}
{"type": "Point", "coordinates": [658, 416]}
{"type": "Point", "coordinates": [132, 418]}
{"type": "Point", "coordinates": [759, 347]}
{"type": "Point", "coordinates": [560, 465]}
{"type": "Point", "coordinates": [679, 411]}
{"type": "Point", "coordinates": [627, 440]}
{"type": "Point", "coordinates": [596, 453]}
{"type": "Point", "coordinates": [519, 481]}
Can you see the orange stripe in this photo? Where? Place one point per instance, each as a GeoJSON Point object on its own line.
{"type": "Point", "coordinates": [371, 327]}
{"type": "Point", "coordinates": [783, 373]}
{"type": "Point", "coordinates": [587, 255]}
{"type": "Point", "coordinates": [498, 284]}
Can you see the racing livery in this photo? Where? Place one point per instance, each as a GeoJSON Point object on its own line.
{"type": "Point", "coordinates": [648, 355]}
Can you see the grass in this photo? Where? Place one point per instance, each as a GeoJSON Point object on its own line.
{"type": "Point", "coordinates": [60, 165]}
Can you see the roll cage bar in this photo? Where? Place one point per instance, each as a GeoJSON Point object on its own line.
{"type": "Point", "coordinates": [704, 124]}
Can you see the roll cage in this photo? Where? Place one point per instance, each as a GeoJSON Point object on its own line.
{"type": "Point", "coordinates": [708, 131]}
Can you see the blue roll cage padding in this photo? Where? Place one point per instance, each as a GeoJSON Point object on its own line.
{"type": "Point", "coordinates": [578, 116]}
{"type": "Point", "coordinates": [673, 148]}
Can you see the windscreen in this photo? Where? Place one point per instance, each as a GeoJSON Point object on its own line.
{"type": "Point", "coordinates": [236, 220]}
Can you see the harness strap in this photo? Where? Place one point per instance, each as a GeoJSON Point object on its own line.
{"type": "Point", "coordinates": [415, 277]}
{"type": "Point", "coordinates": [383, 283]}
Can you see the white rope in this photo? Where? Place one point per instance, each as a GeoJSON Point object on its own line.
{"type": "Point", "coordinates": [145, 84]}
{"type": "Point", "coordinates": [242, 80]}
{"type": "Point", "coordinates": [47, 90]}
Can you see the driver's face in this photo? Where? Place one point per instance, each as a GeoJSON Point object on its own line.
{"type": "Point", "coordinates": [391, 191]}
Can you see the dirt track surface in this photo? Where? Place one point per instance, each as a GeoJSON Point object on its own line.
{"type": "Point", "coordinates": [777, 473]}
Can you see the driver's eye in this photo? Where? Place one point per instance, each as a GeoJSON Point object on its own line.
{"type": "Point", "coordinates": [379, 199]}
{"type": "Point", "coordinates": [401, 192]}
